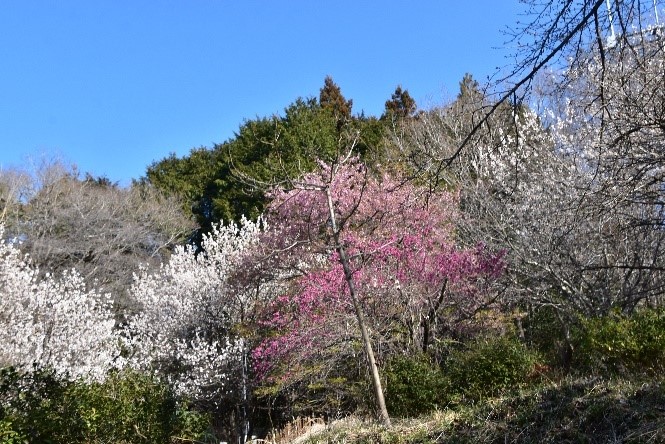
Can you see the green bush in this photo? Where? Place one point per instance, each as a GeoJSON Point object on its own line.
{"type": "Point", "coordinates": [621, 343]}
{"type": "Point", "coordinates": [34, 407]}
{"type": "Point", "coordinates": [128, 407]}
{"type": "Point", "coordinates": [414, 386]}
{"type": "Point", "coordinates": [544, 333]}
{"type": "Point", "coordinates": [487, 366]}
{"type": "Point", "coordinates": [10, 436]}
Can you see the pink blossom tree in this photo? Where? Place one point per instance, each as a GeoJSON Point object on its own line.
{"type": "Point", "coordinates": [378, 259]}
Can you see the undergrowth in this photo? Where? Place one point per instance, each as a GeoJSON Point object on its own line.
{"type": "Point", "coordinates": [574, 410]}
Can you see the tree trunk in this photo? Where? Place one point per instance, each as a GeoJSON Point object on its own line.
{"type": "Point", "coordinates": [367, 343]}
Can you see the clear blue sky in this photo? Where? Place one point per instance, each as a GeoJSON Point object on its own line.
{"type": "Point", "coordinates": [113, 85]}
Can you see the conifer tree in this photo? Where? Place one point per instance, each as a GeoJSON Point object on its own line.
{"type": "Point", "coordinates": [331, 98]}
{"type": "Point", "coordinates": [400, 105]}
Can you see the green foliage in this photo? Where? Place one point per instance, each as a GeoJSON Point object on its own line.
{"type": "Point", "coordinates": [331, 98]}
{"type": "Point", "coordinates": [584, 410]}
{"type": "Point", "coordinates": [34, 407]}
{"type": "Point", "coordinates": [10, 436]}
{"type": "Point", "coordinates": [544, 333]}
{"type": "Point", "coordinates": [414, 386]}
{"type": "Point", "coordinates": [128, 407]}
{"type": "Point", "coordinates": [469, 90]}
{"type": "Point", "coordinates": [193, 426]}
{"type": "Point", "coordinates": [487, 366]}
{"type": "Point", "coordinates": [229, 180]}
{"type": "Point", "coordinates": [192, 178]}
{"type": "Point", "coordinates": [621, 343]}
{"type": "Point", "coordinates": [321, 391]}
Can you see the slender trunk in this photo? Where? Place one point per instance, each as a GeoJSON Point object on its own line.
{"type": "Point", "coordinates": [245, 399]}
{"type": "Point", "coordinates": [431, 316]}
{"type": "Point", "coordinates": [367, 343]}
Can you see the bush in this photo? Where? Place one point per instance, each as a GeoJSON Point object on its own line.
{"type": "Point", "coordinates": [127, 407]}
{"type": "Point", "coordinates": [544, 333]}
{"type": "Point", "coordinates": [488, 366]}
{"type": "Point", "coordinates": [621, 343]}
{"type": "Point", "coordinates": [34, 407]}
{"type": "Point", "coordinates": [414, 386]}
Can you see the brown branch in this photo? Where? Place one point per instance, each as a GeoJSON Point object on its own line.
{"type": "Point", "coordinates": [524, 80]}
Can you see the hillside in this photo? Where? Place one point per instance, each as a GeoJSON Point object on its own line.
{"type": "Point", "coordinates": [571, 411]}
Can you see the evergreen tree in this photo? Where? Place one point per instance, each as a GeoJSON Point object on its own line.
{"type": "Point", "coordinates": [226, 181]}
{"type": "Point", "coordinates": [331, 98]}
{"type": "Point", "coordinates": [400, 105]}
{"type": "Point", "coordinates": [469, 90]}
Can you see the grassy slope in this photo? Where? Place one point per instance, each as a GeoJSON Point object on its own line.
{"type": "Point", "coordinates": [570, 411]}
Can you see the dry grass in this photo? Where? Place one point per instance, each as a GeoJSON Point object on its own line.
{"type": "Point", "coordinates": [569, 411]}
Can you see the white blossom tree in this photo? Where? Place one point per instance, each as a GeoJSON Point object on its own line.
{"type": "Point", "coordinates": [190, 329]}
{"type": "Point", "coordinates": [609, 112]}
{"type": "Point", "coordinates": [53, 322]}
{"type": "Point", "coordinates": [575, 192]}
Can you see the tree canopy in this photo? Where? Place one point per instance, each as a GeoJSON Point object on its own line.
{"type": "Point", "coordinates": [229, 180]}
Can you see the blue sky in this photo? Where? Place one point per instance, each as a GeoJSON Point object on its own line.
{"type": "Point", "coordinates": [112, 86]}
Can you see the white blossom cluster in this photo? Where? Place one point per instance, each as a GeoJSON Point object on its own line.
{"type": "Point", "coordinates": [184, 330]}
{"type": "Point", "coordinates": [517, 151]}
{"type": "Point", "coordinates": [54, 322]}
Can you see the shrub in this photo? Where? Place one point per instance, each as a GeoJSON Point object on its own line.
{"type": "Point", "coordinates": [10, 436]}
{"type": "Point", "coordinates": [40, 406]}
{"type": "Point", "coordinates": [132, 407]}
{"type": "Point", "coordinates": [34, 407]}
{"type": "Point", "coordinates": [621, 343]}
{"type": "Point", "coordinates": [544, 333]}
{"type": "Point", "coordinates": [128, 406]}
{"type": "Point", "coordinates": [488, 366]}
{"type": "Point", "coordinates": [414, 386]}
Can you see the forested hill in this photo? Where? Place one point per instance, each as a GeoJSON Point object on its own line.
{"type": "Point", "coordinates": [229, 180]}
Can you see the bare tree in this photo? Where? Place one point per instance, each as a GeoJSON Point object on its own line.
{"type": "Point", "coordinates": [100, 229]}
{"type": "Point", "coordinates": [14, 189]}
{"type": "Point", "coordinates": [577, 193]}
{"type": "Point", "coordinates": [557, 34]}
{"type": "Point", "coordinates": [574, 196]}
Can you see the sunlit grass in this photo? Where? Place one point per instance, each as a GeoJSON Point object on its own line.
{"type": "Point", "coordinates": [584, 410]}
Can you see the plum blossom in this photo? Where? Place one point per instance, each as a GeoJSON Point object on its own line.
{"type": "Point", "coordinates": [53, 321]}
{"type": "Point", "coordinates": [184, 331]}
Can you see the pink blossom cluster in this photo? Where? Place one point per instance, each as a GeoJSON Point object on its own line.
{"type": "Point", "coordinates": [400, 241]}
